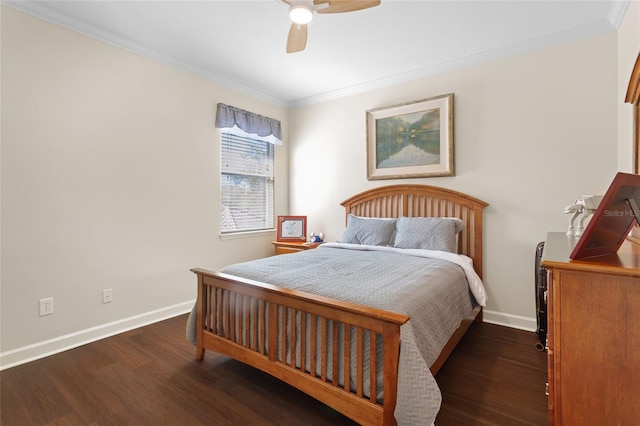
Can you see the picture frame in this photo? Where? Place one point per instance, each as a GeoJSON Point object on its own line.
{"type": "Point", "coordinates": [411, 140]}
{"type": "Point", "coordinates": [633, 97]}
{"type": "Point", "coordinates": [612, 221]}
{"type": "Point", "coordinates": [636, 139]}
{"type": "Point", "coordinates": [292, 229]}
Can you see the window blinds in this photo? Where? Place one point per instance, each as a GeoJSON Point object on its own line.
{"type": "Point", "coordinates": [246, 183]}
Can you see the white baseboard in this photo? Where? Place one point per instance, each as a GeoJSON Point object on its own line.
{"type": "Point", "coordinates": [59, 344]}
{"type": "Point", "coordinates": [509, 320]}
{"type": "Point", "coordinates": [56, 345]}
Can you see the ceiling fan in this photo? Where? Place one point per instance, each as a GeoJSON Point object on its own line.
{"type": "Point", "coordinates": [301, 13]}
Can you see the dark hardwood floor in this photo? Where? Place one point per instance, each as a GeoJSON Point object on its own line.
{"type": "Point", "coordinates": [149, 376]}
{"type": "Point", "coordinates": [495, 376]}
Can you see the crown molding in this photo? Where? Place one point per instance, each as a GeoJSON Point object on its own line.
{"type": "Point", "coordinates": [617, 12]}
{"type": "Point", "coordinates": [42, 11]}
{"type": "Point", "coordinates": [612, 23]}
{"type": "Point", "coordinates": [550, 40]}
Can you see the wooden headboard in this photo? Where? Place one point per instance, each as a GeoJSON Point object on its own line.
{"type": "Point", "coordinates": [425, 201]}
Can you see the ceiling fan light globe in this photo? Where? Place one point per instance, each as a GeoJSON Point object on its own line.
{"type": "Point", "coordinates": [301, 14]}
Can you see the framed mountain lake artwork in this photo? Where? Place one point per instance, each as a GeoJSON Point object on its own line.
{"type": "Point", "coordinates": [411, 140]}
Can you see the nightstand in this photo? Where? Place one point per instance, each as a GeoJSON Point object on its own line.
{"type": "Point", "coordinates": [282, 247]}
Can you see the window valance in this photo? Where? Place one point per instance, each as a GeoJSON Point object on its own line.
{"type": "Point", "coordinates": [228, 116]}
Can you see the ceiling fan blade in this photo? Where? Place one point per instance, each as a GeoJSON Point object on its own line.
{"type": "Point", "coordinates": [340, 6]}
{"type": "Point", "coordinates": [297, 39]}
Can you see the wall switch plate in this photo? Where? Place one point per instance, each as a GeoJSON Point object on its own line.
{"type": "Point", "coordinates": [46, 306]}
{"type": "Point", "coordinates": [107, 295]}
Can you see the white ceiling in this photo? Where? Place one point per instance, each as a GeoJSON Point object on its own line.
{"type": "Point", "coordinates": [241, 43]}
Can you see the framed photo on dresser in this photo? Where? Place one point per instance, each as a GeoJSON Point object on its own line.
{"type": "Point", "coordinates": [612, 221]}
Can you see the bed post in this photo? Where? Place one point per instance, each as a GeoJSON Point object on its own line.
{"type": "Point", "coordinates": [391, 362]}
{"type": "Point", "coordinates": [199, 319]}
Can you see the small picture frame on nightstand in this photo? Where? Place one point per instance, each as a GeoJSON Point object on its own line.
{"type": "Point", "coordinates": [292, 228]}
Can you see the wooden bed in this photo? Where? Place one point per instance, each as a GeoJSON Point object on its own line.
{"type": "Point", "coordinates": [226, 303]}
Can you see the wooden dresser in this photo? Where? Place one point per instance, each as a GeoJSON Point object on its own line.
{"type": "Point", "coordinates": [593, 335]}
{"type": "Point", "coordinates": [292, 247]}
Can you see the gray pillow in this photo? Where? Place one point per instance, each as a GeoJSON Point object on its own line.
{"type": "Point", "coordinates": [369, 231]}
{"type": "Point", "coordinates": [428, 233]}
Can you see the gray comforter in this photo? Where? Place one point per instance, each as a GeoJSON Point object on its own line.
{"type": "Point", "coordinates": [434, 293]}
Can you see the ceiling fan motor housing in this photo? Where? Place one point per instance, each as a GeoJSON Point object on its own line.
{"type": "Point", "coordinates": [301, 12]}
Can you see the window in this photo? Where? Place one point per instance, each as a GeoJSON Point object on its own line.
{"type": "Point", "coordinates": [246, 182]}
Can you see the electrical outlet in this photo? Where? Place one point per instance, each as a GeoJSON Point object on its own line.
{"type": "Point", "coordinates": [46, 306]}
{"type": "Point", "coordinates": [107, 295]}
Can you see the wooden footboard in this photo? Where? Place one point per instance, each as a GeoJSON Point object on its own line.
{"type": "Point", "coordinates": [260, 325]}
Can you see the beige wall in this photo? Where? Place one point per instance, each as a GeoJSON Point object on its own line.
{"type": "Point", "coordinates": [532, 133]}
{"type": "Point", "coordinates": [110, 166]}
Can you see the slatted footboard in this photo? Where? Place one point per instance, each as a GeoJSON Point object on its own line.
{"type": "Point", "coordinates": [304, 340]}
